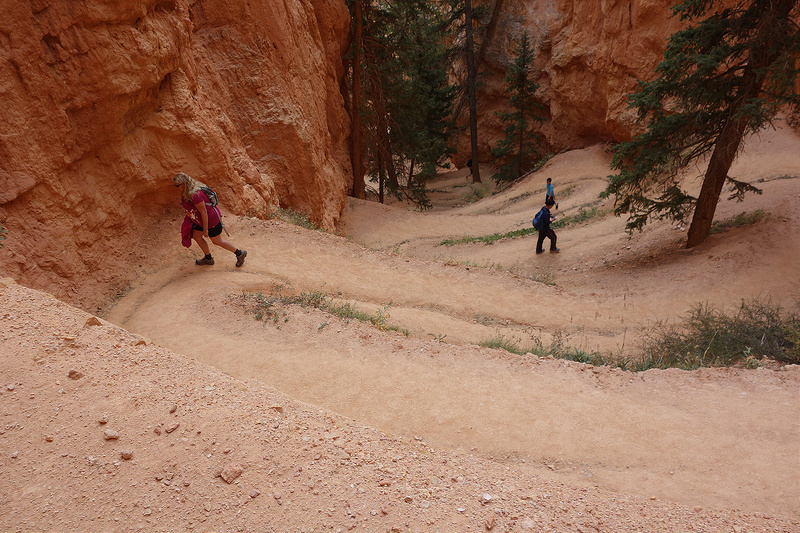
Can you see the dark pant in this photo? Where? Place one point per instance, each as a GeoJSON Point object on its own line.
{"type": "Point", "coordinates": [550, 234]}
{"type": "Point", "coordinates": [212, 232]}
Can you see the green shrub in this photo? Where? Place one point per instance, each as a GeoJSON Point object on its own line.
{"type": "Point", "coordinates": [502, 343]}
{"type": "Point", "coordinates": [709, 337]}
{"type": "Point", "coordinates": [556, 350]}
{"type": "Point", "coordinates": [742, 219]}
{"type": "Point", "coordinates": [476, 192]}
{"type": "Point", "coordinates": [584, 214]}
{"type": "Point", "coordinates": [269, 307]}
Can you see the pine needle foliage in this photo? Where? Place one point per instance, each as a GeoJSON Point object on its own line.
{"type": "Point", "coordinates": [721, 78]}
{"type": "Point", "coordinates": [407, 98]}
{"type": "Point", "coordinates": [519, 151]}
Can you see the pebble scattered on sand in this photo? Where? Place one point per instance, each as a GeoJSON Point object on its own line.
{"type": "Point", "coordinates": [231, 472]}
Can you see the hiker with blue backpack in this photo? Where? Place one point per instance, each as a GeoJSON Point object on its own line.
{"type": "Point", "coordinates": [542, 223]}
{"type": "Point", "coordinates": [203, 219]}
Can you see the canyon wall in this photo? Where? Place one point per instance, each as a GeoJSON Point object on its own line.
{"type": "Point", "coordinates": [103, 101]}
{"type": "Point", "coordinates": [588, 58]}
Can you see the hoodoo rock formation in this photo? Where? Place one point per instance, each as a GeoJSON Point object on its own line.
{"type": "Point", "coordinates": [102, 102]}
{"type": "Point", "coordinates": [588, 58]}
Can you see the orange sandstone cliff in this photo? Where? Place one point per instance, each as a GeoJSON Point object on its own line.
{"type": "Point", "coordinates": [588, 58]}
{"type": "Point", "coordinates": [103, 101]}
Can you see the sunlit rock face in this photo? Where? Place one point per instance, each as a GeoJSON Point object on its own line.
{"type": "Point", "coordinates": [103, 101]}
{"type": "Point", "coordinates": [588, 58]}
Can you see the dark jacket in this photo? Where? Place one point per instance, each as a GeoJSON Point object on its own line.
{"type": "Point", "coordinates": [544, 223]}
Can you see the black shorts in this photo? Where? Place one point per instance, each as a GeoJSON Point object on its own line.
{"type": "Point", "coordinates": [212, 232]}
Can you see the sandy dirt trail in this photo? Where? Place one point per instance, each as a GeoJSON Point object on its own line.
{"type": "Point", "coordinates": [720, 438]}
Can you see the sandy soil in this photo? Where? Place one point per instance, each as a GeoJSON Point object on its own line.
{"type": "Point", "coordinates": [127, 423]}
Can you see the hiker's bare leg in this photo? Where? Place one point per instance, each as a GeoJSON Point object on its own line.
{"type": "Point", "coordinates": [223, 243]}
{"type": "Point", "coordinates": [201, 242]}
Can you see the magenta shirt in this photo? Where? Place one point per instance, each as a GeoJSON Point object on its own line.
{"type": "Point", "coordinates": [194, 214]}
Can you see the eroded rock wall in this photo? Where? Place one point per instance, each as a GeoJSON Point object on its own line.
{"type": "Point", "coordinates": [103, 101]}
{"type": "Point", "coordinates": [588, 58]}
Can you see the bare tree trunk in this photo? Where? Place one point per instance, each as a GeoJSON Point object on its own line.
{"type": "Point", "coordinates": [473, 106]}
{"type": "Point", "coordinates": [357, 151]}
{"type": "Point", "coordinates": [520, 144]}
{"type": "Point", "coordinates": [716, 174]}
{"type": "Point", "coordinates": [383, 143]}
{"type": "Point", "coordinates": [381, 176]}
{"type": "Point", "coordinates": [392, 173]}
{"type": "Point", "coordinates": [490, 29]}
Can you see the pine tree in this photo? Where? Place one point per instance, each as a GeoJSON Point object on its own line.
{"type": "Point", "coordinates": [407, 97]}
{"type": "Point", "coordinates": [725, 77]}
{"type": "Point", "coordinates": [425, 97]}
{"type": "Point", "coordinates": [472, 97]}
{"type": "Point", "coordinates": [519, 150]}
{"type": "Point", "coordinates": [468, 29]}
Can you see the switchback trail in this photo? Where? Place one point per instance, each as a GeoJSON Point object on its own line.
{"type": "Point", "coordinates": [718, 438]}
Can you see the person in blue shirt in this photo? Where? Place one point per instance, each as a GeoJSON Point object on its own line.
{"type": "Point", "coordinates": [545, 230]}
{"type": "Point", "coordinates": [550, 194]}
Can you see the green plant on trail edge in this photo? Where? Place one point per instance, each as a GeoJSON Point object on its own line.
{"type": "Point", "coordinates": [584, 214]}
{"type": "Point", "coordinates": [708, 337]}
{"type": "Point", "coordinates": [742, 219]}
{"type": "Point", "coordinates": [489, 239]}
{"type": "Point", "coordinates": [566, 192]}
{"type": "Point", "coordinates": [2, 235]}
{"type": "Point", "coordinates": [502, 343]}
{"type": "Point", "coordinates": [758, 331]}
{"type": "Point", "coordinates": [543, 275]}
{"type": "Point", "coordinates": [298, 218]}
{"type": "Point", "coordinates": [556, 350]}
{"type": "Point", "coordinates": [476, 192]}
{"type": "Point", "coordinates": [269, 307]}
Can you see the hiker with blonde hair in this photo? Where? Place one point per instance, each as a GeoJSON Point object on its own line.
{"type": "Point", "coordinates": [203, 219]}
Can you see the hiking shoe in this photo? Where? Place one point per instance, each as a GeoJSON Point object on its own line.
{"type": "Point", "coordinates": [539, 251]}
{"type": "Point", "coordinates": [204, 261]}
{"type": "Point", "coordinates": [555, 250]}
{"type": "Point", "coordinates": [240, 258]}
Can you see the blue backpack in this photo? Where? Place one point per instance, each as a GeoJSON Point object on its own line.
{"type": "Point", "coordinates": [537, 219]}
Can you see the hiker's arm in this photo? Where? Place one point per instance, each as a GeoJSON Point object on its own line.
{"type": "Point", "coordinates": [201, 207]}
